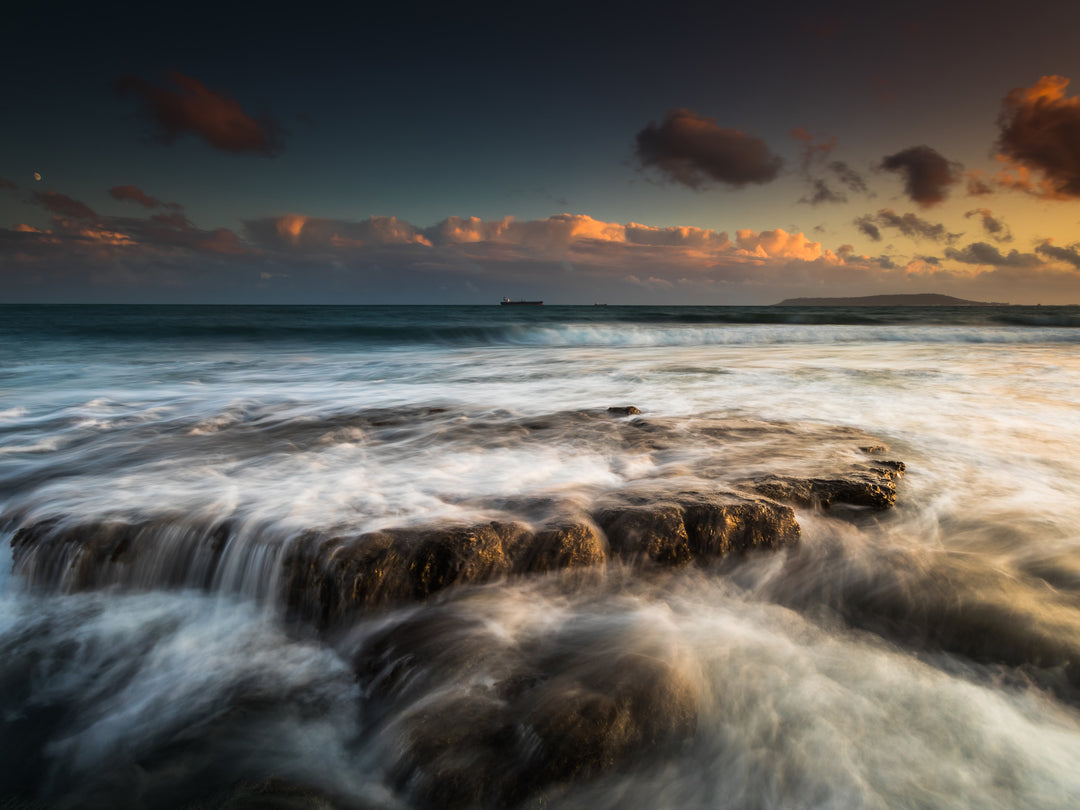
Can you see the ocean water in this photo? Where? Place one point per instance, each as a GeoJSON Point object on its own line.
{"type": "Point", "coordinates": [923, 656]}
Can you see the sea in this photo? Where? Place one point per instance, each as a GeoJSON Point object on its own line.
{"type": "Point", "coordinates": [925, 655]}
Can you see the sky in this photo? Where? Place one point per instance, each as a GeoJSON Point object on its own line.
{"type": "Point", "coordinates": [629, 153]}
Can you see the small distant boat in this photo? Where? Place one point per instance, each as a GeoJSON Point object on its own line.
{"type": "Point", "coordinates": [520, 302]}
{"type": "Point", "coordinates": [598, 304]}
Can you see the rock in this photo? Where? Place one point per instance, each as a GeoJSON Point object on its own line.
{"type": "Point", "coordinates": [569, 545]}
{"type": "Point", "coordinates": [697, 526]}
{"type": "Point", "coordinates": [871, 487]}
{"type": "Point", "coordinates": [628, 410]}
{"type": "Point", "coordinates": [328, 578]}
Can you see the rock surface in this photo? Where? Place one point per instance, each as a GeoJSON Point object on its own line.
{"type": "Point", "coordinates": [870, 486]}
{"type": "Point", "coordinates": [690, 526]}
{"type": "Point", "coordinates": [714, 487]}
{"type": "Point", "coordinates": [328, 579]}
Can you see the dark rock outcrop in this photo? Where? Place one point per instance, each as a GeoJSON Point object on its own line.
{"type": "Point", "coordinates": [696, 526]}
{"type": "Point", "coordinates": [328, 579]}
{"type": "Point", "coordinates": [867, 486]}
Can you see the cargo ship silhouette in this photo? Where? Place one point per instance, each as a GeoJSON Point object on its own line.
{"type": "Point", "coordinates": [519, 302]}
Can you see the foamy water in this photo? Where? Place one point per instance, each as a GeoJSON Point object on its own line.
{"type": "Point", "coordinates": [922, 657]}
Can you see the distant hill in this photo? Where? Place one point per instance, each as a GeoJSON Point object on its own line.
{"type": "Point", "coordinates": [918, 300]}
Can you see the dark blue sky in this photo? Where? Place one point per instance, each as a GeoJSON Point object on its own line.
{"type": "Point", "coordinates": [424, 112]}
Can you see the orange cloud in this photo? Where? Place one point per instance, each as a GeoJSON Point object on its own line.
{"type": "Point", "coordinates": [778, 243]}
{"type": "Point", "coordinates": [299, 231]}
{"type": "Point", "coordinates": [1040, 132]}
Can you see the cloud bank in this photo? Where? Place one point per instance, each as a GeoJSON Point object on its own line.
{"type": "Point", "coordinates": [293, 257]}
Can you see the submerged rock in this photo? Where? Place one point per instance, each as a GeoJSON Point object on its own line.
{"type": "Point", "coordinates": [476, 718]}
{"type": "Point", "coordinates": [627, 410]}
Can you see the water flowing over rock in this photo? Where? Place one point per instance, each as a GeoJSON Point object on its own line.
{"type": "Point", "coordinates": [326, 576]}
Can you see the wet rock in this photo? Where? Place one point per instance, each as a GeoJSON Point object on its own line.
{"type": "Point", "coordinates": [328, 578]}
{"type": "Point", "coordinates": [627, 410]}
{"type": "Point", "coordinates": [697, 526]}
{"type": "Point", "coordinates": [569, 545]}
{"type": "Point", "coordinates": [867, 486]}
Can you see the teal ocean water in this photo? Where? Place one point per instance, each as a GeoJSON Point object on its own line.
{"type": "Point", "coordinates": [926, 655]}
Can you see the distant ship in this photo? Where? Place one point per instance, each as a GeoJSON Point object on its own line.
{"type": "Point", "coordinates": [507, 301]}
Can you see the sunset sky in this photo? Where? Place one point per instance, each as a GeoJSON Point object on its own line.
{"type": "Point", "coordinates": [686, 153]}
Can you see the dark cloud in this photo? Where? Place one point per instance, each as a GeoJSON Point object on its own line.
{"type": "Point", "coordinates": [849, 177]}
{"type": "Point", "coordinates": [137, 195]}
{"type": "Point", "coordinates": [1040, 131]}
{"type": "Point", "coordinates": [7, 184]}
{"type": "Point", "coordinates": [931, 260]}
{"type": "Point", "coordinates": [908, 224]}
{"type": "Point", "coordinates": [692, 150]}
{"type": "Point", "coordinates": [193, 108]}
{"type": "Point", "coordinates": [886, 262]}
{"type": "Point", "coordinates": [820, 192]}
{"type": "Point", "coordinates": [867, 226]}
{"type": "Point", "coordinates": [1071, 254]}
{"type": "Point", "coordinates": [997, 229]}
{"type": "Point", "coordinates": [813, 163]}
{"type": "Point", "coordinates": [927, 174]}
{"type": "Point", "coordinates": [912, 226]}
{"type": "Point", "coordinates": [63, 206]}
{"type": "Point", "coordinates": [984, 253]}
